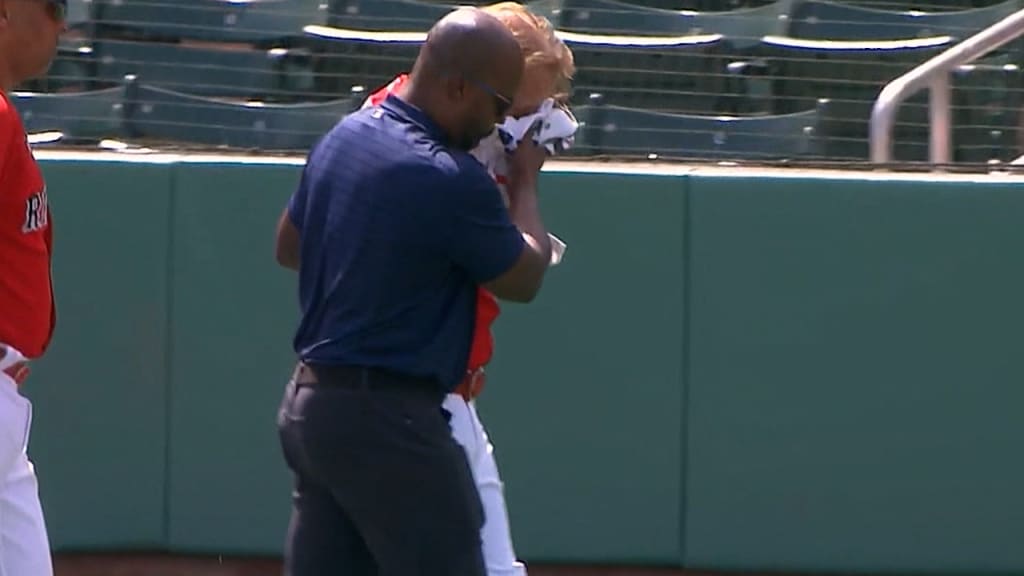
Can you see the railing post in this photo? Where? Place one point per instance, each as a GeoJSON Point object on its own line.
{"type": "Point", "coordinates": [941, 108]}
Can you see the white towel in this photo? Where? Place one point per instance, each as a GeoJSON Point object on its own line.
{"type": "Point", "coordinates": [557, 131]}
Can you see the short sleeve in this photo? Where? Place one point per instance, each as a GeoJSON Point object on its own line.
{"type": "Point", "coordinates": [482, 238]}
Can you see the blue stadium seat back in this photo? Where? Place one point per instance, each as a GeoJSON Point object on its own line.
{"type": "Point", "coordinates": [685, 75]}
{"type": "Point", "coordinates": [80, 116]}
{"type": "Point", "coordinates": [829, 20]}
{"type": "Point", "coordinates": [387, 15]}
{"type": "Point", "coordinates": [162, 116]}
{"type": "Point", "coordinates": [614, 130]}
{"type": "Point", "coordinates": [253, 21]}
{"type": "Point", "coordinates": [699, 5]}
{"type": "Point", "coordinates": [842, 70]}
{"type": "Point", "coordinates": [743, 28]}
{"type": "Point", "coordinates": [850, 75]}
{"type": "Point", "coordinates": [79, 14]}
{"type": "Point", "coordinates": [616, 18]}
{"type": "Point", "coordinates": [988, 100]}
{"type": "Point", "coordinates": [207, 70]}
{"type": "Point", "coordinates": [362, 61]}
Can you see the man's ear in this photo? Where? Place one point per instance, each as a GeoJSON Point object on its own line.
{"type": "Point", "coordinates": [3, 14]}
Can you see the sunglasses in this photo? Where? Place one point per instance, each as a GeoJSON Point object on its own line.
{"type": "Point", "coordinates": [502, 103]}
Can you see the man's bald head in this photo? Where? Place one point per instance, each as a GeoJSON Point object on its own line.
{"type": "Point", "coordinates": [466, 75]}
{"type": "Point", "coordinates": [469, 41]}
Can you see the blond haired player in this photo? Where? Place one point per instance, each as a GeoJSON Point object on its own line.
{"type": "Point", "coordinates": [549, 68]}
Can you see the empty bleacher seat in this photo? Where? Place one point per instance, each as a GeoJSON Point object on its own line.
{"type": "Point", "coordinates": [386, 15]}
{"type": "Point", "coordinates": [261, 22]}
{"type": "Point", "coordinates": [683, 74]}
{"type": "Point", "coordinates": [79, 14]}
{"type": "Point", "coordinates": [830, 20]}
{"type": "Point", "coordinates": [850, 75]}
{"type": "Point", "coordinates": [78, 116]}
{"type": "Point", "coordinates": [208, 70]}
{"type": "Point", "coordinates": [988, 97]}
{"type": "Point", "coordinates": [362, 58]}
{"type": "Point", "coordinates": [164, 116]}
{"type": "Point", "coordinates": [742, 27]}
{"type": "Point", "coordinates": [700, 5]}
{"type": "Point", "coordinates": [615, 130]}
{"type": "Point", "coordinates": [616, 18]}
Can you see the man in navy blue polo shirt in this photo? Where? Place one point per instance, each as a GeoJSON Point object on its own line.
{"type": "Point", "coordinates": [392, 228]}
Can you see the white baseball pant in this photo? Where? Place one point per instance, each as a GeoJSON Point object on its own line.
{"type": "Point", "coordinates": [24, 545]}
{"type": "Point", "coordinates": [469, 432]}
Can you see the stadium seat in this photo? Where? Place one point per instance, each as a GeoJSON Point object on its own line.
{"type": "Point", "coordinates": [615, 130]}
{"type": "Point", "coordinates": [743, 27]}
{"type": "Point", "coordinates": [386, 15]}
{"type": "Point", "coordinates": [78, 116]}
{"type": "Point", "coordinates": [79, 14]}
{"type": "Point", "coordinates": [699, 5]}
{"type": "Point", "coordinates": [612, 17]}
{"type": "Point", "coordinates": [850, 75]}
{"type": "Point", "coordinates": [260, 22]}
{"type": "Point", "coordinates": [827, 20]}
{"type": "Point", "coordinates": [155, 115]}
{"type": "Point", "coordinates": [988, 97]}
{"type": "Point", "coordinates": [206, 70]}
{"type": "Point", "coordinates": [351, 59]}
{"type": "Point", "coordinates": [682, 75]}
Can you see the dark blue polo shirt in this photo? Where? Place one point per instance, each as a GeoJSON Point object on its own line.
{"type": "Point", "coordinates": [397, 231]}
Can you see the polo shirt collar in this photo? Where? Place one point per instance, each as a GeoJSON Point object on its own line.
{"type": "Point", "coordinates": [415, 115]}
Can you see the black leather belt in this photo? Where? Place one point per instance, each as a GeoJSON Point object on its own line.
{"type": "Point", "coordinates": [362, 378]}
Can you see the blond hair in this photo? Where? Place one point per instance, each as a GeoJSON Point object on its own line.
{"type": "Point", "coordinates": [542, 49]}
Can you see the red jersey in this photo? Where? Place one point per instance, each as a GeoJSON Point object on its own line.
{"type": "Point", "coordinates": [27, 315]}
{"type": "Point", "coordinates": [487, 309]}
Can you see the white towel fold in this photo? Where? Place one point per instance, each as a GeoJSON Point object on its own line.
{"type": "Point", "coordinates": [557, 131]}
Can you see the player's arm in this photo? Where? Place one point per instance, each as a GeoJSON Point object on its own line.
{"type": "Point", "coordinates": [508, 260]}
{"type": "Point", "coordinates": [522, 282]}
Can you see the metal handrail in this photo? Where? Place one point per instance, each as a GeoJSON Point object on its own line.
{"type": "Point", "coordinates": [934, 74]}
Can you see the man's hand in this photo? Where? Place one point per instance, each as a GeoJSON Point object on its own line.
{"type": "Point", "coordinates": [523, 281]}
{"type": "Point", "coordinates": [17, 371]}
{"type": "Point", "coordinates": [527, 160]}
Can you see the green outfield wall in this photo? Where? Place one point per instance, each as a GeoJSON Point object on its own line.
{"type": "Point", "coordinates": [730, 370]}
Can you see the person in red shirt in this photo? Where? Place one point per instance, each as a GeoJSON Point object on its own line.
{"type": "Point", "coordinates": [549, 67]}
{"type": "Point", "coordinates": [29, 31]}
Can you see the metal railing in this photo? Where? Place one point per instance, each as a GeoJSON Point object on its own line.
{"type": "Point", "coordinates": [935, 75]}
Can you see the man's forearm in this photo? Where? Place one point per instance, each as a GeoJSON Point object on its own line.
{"type": "Point", "coordinates": [524, 208]}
